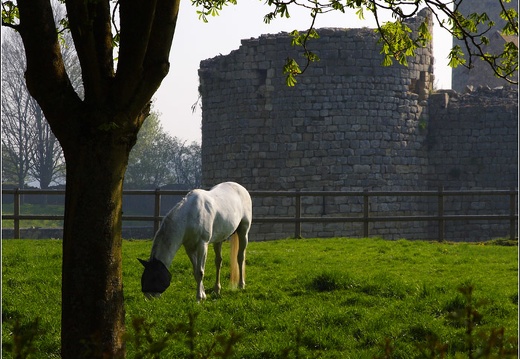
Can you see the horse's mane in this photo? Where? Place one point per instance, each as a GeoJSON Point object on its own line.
{"type": "Point", "coordinates": [172, 214]}
{"type": "Point", "coordinates": [178, 206]}
{"type": "Point", "coordinates": [163, 235]}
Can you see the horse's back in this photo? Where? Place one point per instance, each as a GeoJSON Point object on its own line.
{"type": "Point", "coordinates": [223, 208]}
{"type": "Point", "coordinates": [232, 191]}
{"type": "Point", "coordinates": [232, 198]}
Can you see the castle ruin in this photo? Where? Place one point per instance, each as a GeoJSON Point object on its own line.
{"type": "Point", "coordinates": [352, 124]}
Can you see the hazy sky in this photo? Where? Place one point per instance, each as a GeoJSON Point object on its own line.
{"type": "Point", "coordinates": [195, 41]}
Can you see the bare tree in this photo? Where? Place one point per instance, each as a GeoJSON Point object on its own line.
{"type": "Point", "coordinates": [47, 165]}
{"type": "Point", "coordinates": [31, 152]}
{"type": "Point", "coordinates": [17, 130]}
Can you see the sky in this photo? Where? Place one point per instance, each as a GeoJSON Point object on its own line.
{"type": "Point", "coordinates": [195, 41]}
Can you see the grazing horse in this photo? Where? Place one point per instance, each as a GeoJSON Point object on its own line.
{"type": "Point", "coordinates": [201, 218]}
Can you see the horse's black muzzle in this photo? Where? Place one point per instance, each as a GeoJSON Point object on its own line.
{"type": "Point", "coordinates": [155, 279]}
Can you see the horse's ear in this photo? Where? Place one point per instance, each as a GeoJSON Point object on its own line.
{"type": "Point", "coordinates": [143, 262]}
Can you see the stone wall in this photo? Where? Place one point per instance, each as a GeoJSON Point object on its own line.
{"type": "Point", "coordinates": [473, 144]}
{"type": "Point", "coordinates": [349, 124]}
{"type": "Point", "coordinates": [472, 139]}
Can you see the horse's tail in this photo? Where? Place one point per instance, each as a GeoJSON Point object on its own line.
{"type": "Point", "coordinates": [235, 275]}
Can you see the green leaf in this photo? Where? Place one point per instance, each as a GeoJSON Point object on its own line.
{"type": "Point", "coordinates": [511, 26]}
{"type": "Point", "coordinates": [290, 80]}
{"type": "Point", "coordinates": [336, 5]}
{"type": "Point", "coordinates": [397, 42]}
{"type": "Point", "coordinates": [202, 16]}
{"type": "Point", "coordinates": [311, 56]}
{"type": "Point", "coordinates": [387, 61]}
{"type": "Point", "coordinates": [296, 38]}
{"type": "Point", "coordinates": [360, 14]}
{"type": "Point", "coordinates": [313, 34]}
{"type": "Point", "coordinates": [456, 57]}
{"type": "Point", "coordinates": [115, 40]}
{"type": "Point", "coordinates": [424, 33]}
{"type": "Point", "coordinates": [10, 12]}
{"type": "Point", "coordinates": [291, 68]}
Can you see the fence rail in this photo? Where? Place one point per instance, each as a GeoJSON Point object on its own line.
{"type": "Point", "coordinates": [440, 217]}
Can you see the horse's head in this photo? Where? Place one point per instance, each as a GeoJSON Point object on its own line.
{"type": "Point", "coordinates": [156, 278]}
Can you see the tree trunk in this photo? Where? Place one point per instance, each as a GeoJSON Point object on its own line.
{"type": "Point", "coordinates": [92, 284]}
{"type": "Point", "coordinates": [96, 134]}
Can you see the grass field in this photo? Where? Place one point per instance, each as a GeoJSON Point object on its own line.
{"type": "Point", "coordinates": [312, 298]}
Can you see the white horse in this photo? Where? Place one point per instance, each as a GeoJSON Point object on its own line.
{"type": "Point", "coordinates": [201, 218]}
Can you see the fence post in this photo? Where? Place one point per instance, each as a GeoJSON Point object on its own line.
{"type": "Point", "coordinates": [365, 213]}
{"type": "Point", "coordinates": [16, 212]}
{"type": "Point", "coordinates": [440, 210]}
{"type": "Point", "coordinates": [512, 222]}
{"type": "Point", "coordinates": [298, 214]}
{"type": "Point", "coordinates": [157, 211]}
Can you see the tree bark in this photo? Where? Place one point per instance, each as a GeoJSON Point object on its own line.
{"type": "Point", "coordinates": [92, 284]}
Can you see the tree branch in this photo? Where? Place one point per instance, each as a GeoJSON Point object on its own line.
{"type": "Point", "coordinates": [90, 26]}
{"type": "Point", "coordinates": [156, 63]}
{"type": "Point", "coordinates": [46, 78]}
{"type": "Point", "coordinates": [136, 20]}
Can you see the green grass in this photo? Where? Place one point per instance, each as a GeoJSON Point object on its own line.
{"type": "Point", "coordinates": [326, 298]}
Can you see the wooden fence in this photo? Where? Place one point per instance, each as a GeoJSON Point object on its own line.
{"type": "Point", "coordinates": [440, 217]}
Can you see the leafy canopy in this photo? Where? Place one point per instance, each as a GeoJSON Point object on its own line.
{"type": "Point", "coordinates": [397, 40]}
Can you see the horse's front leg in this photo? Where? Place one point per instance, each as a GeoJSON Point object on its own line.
{"type": "Point", "coordinates": [218, 265]}
{"type": "Point", "coordinates": [198, 259]}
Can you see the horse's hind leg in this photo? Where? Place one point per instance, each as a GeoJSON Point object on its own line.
{"type": "Point", "coordinates": [218, 265]}
{"type": "Point", "coordinates": [242, 244]}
